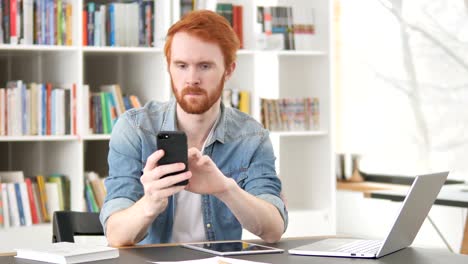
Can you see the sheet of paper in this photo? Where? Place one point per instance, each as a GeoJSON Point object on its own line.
{"type": "Point", "coordinates": [213, 260]}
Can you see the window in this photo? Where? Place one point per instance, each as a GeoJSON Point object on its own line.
{"type": "Point", "coordinates": [402, 84]}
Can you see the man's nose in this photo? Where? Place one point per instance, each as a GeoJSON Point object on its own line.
{"type": "Point", "coordinates": [193, 78]}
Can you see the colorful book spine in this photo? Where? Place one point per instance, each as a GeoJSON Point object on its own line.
{"type": "Point", "coordinates": [58, 21]}
{"type": "Point", "coordinates": [43, 197]}
{"type": "Point", "coordinates": [111, 13]}
{"type": "Point", "coordinates": [5, 205]}
{"type": "Point", "coordinates": [91, 9]}
{"type": "Point", "coordinates": [2, 221]}
{"type": "Point", "coordinates": [6, 21]}
{"type": "Point", "coordinates": [69, 24]}
{"type": "Point", "coordinates": [13, 22]}
{"type": "Point", "coordinates": [105, 114]}
{"type": "Point", "coordinates": [13, 204]}
{"type": "Point", "coordinates": [20, 204]}
{"type": "Point", "coordinates": [49, 109]}
{"type": "Point", "coordinates": [25, 203]}
{"type": "Point", "coordinates": [90, 197]}
{"type": "Point", "coordinates": [32, 203]}
{"type": "Point", "coordinates": [85, 27]}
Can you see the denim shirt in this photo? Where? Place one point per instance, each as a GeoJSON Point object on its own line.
{"type": "Point", "coordinates": [240, 147]}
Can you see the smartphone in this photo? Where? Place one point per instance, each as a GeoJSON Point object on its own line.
{"type": "Point", "coordinates": [174, 144]}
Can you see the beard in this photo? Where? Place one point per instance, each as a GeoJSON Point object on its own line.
{"type": "Point", "coordinates": [202, 103]}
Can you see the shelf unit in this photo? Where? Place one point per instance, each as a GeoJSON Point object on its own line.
{"type": "Point", "coordinates": [304, 158]}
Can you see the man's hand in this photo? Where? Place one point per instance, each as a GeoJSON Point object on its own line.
{"type": "Point", "coordinates": [158, 189]}
{"type": "Point", "coordinates": [206, 177]}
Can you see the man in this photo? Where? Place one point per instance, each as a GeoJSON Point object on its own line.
{"type": "Point", "coordinates": [232, 178]}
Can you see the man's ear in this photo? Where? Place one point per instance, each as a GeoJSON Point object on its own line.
{"type": "Point", "coordinates": [229, 71]}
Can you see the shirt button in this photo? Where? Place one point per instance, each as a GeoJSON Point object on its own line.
{"type": "Point", "coordinates": [208, 225]}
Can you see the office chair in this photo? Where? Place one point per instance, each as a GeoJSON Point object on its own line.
{"type": "Point", "coordinates": [66, 224]}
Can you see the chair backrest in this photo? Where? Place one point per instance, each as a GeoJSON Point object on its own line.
{"type": "Point", "coordinates": [66, 224]}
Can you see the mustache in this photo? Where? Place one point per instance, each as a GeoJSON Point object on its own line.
{"type": "Point", "coordinates": [193, 90]}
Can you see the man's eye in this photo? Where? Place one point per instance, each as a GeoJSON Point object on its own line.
{"type": "Point", "coordinates": [182, 66]}
{"type": "Point", "coordinates": [205, 66]}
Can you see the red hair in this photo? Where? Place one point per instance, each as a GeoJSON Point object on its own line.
{"type": "Point", "coordinates": [210, 27]}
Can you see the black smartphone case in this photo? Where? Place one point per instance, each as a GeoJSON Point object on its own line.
{"type": "Point", "coordinates": [174, 144]}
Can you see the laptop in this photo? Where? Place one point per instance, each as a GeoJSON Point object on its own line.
{"type": "Point", "coordinates": [413, 211]}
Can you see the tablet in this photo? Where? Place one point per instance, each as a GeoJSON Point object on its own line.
{"type": "Point", "coordinates": [232, 248]}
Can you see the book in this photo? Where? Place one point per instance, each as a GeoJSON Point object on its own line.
{"type": "Point", "coordinates": [67, 253]}
{"type": "Point", "coordinates": [97, 186]}
{"type": "Point", "coordinates": [1, 207]}
{"type": "Point", "coordinates": [63, 191]}
{"type": "Point", "coordinates": [91, 202]}
{"type": "Point", "coordinates": [43, 197]}
{"type": "Point", "coordinates": [13, 205]}
{"type": "Point", "coordinates": [244, 102]}
{"type": "Point", "coordinates": [5, 205]}
{"type": "Point", "coordinates": [32, 202]}
{"type": "Point", "coordinates": [25, 203]}
{"type": "Point", "coordinates": [53, 198]}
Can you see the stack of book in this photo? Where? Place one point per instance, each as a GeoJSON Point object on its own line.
{"type": "Point", "coordinates": [233, 14]}
{"type": "Point", "coordinates": [95, 191]}
{"type": "Point", "coordinates": [290, 114]}
{"type": "Point", "coordinates": [237, 99]}
{"type": "Point", "coordinates": [101, 109]}
{"type": "Point", "coordinates": [31, 200]}
{"type": "Point", "coordinates": [284, 28]}
{"type": "Point", "coordinates": [37, 109]}
{"type": "Point", "coordinates": [124, 24]}
{"type": "Point", "coordinates": [46, 22]}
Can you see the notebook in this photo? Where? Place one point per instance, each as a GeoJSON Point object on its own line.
{"type": "Point", "coordinates": [67, 253]}
{"type": "Point", "coordinates": [413, 211]}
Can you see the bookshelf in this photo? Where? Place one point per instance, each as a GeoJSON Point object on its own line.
{"type": "Point", "coordinates": [305, 160]}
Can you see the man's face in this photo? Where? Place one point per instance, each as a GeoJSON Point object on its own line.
{"type": "Point", "coordinates": [197, 73]}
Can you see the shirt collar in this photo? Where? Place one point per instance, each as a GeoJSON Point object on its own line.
{"type": "Point", "coordinates": [170, 122]}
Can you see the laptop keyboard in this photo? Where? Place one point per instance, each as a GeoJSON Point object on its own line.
{"type": "Point", "coordinates": [361, 246]}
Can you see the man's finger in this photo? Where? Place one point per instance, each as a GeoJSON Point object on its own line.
{"type": "Point", "coordinates": [169, 181]}
{"type": "Point", "coordinates": [162, 170]}
{"type": "Point", "coordinates": [153, 159]}
{"type": "Point", "coordinates": [194, 153]}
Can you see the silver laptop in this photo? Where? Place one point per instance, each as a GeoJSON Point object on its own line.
{"type": "Point", "coordinates": [413, 211]}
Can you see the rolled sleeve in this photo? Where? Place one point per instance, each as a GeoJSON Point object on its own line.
{"type": "Point", "coordinates": [261, 179]}
{"type": "Point", "coordinates": [112, 206]}
{"type": "Point", "coordinates": [125, 165]}
{"type": "Point", "coordinates": [279, 204]}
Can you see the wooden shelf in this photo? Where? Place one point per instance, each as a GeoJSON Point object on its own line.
{"type": "Point", "coordinates": [366, 186]}
{"type": "Point", "coordinates": [298, 133]}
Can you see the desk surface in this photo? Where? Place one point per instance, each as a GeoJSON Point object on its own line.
{"type": "Point", "coordinates": [173, 253]}
{"type": "Point", "coordinates": [450, 195]}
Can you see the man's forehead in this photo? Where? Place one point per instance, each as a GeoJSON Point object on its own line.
{"type": "Point", "coordinates": [188, 47]}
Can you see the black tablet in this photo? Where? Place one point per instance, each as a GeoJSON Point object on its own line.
{"type": "Point", "coordinates": [223, 248]}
